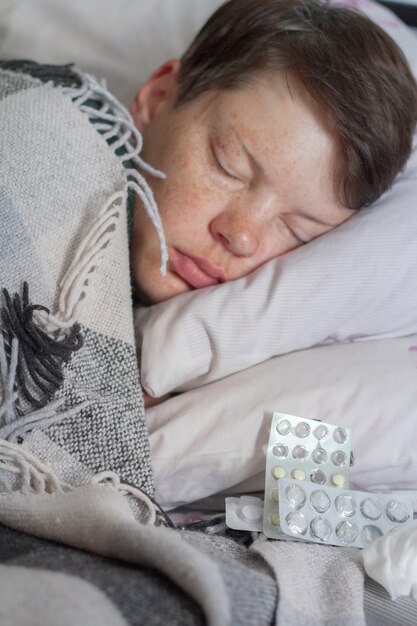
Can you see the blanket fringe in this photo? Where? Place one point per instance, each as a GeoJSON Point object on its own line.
{"type": "Point", "coordinates": [31, 369]}
{"type": "Point", "coordinates": [31, 360]}
{"type": "Point", "coordinates": [127, 490]}
{"type": "Point", "coordinates": [114, 121]}
{"type": "Point", "coordinates": [37, 478]}
{"type": "Point", "coordinates": [74, 284]}
{"type": "Point", "coordinates": [48, 415]}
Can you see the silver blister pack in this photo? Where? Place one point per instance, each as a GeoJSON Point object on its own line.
{"type": "Point", "coordinates": [307, 450]}
{"type": "Point", "coordinates": [339, 517]}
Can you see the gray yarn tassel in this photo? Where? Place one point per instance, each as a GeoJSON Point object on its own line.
{"type": "Point", "coordinates": [40, 358]}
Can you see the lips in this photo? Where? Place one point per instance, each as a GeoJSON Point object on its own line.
{"type": "Point", "coordinates": [195, 271]}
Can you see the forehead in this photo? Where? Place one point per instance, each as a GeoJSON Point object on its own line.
{"type": "Point", "coordinates": [280, 114]}
{"type": "Point", "coordinates": [281, 124]}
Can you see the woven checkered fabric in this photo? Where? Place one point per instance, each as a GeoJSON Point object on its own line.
{"type": "Point", "coordinates": [63, 231]}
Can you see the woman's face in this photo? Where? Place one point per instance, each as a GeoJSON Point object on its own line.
{"type": "Point", "coordinates": [249, 177]}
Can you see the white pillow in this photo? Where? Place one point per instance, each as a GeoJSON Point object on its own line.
{"type": "Point", "coordinates": [213, 439]}
{"type": "Point", "coordinates": [355, 282]}
{"type": "Point", "coordinates": [123, 40]}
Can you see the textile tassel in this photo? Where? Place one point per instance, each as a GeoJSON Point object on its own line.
{"type": "Point", "coordinates": [38, 360]}
{"type": "Point", "coordinates": [21, 471]}
{"type": "Point", "coordinates": [31, 474]}
{"type": "Point", "coordinates": [117, 127]}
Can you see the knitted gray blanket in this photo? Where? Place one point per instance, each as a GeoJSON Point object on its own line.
{"type": "Point", "coordinates": [69, 384]}
{"type": "Point", "coordinates": [74, 454]}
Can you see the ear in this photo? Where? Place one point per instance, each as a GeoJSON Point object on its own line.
{"type": "Point", "coordinates": [159, 91]}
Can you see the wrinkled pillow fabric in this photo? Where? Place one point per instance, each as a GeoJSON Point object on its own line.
{"type": "Point", "coordinates": [124, 41]}
{"type": "Point", "coordinates": [354, 283]}
{"type": "Point", "coordinates": [213, 439]}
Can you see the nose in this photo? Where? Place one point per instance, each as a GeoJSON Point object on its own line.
{"type": "Point", "coordinates": [237, 232]}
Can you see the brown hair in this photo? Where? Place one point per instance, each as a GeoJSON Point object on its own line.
{"type": "Point", "coordinates": [349, 65]}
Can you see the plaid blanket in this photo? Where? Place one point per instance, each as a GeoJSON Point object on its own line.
{"type": "Point", "coordinates": [70, 392]}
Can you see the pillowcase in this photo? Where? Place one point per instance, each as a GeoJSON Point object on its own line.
{"type": "Point", "coordinates": [353, 283]}
{"type": "Point", "coordinates": [123, 41]}
{"type": "Point", "coordinates": [214, 439]}
{"type": "Point", "coordinates": [130, 39]}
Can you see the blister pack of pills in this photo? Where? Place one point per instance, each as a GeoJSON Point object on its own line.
{"type": "Point", "coordinates": [307, 450]}
{"type": "Point", "coordinates": [338, 517]}
{"type": "Point", "coordinates": [244, 513]}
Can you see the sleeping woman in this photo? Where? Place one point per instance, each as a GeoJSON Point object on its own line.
{"type": "Point", "coordinates": [277, 125]}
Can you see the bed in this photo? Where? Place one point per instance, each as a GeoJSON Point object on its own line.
{"type": "Point", "coordinates": [75, 555]}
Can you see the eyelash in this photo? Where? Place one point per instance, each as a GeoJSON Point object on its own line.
{"type": "Point", "coordinates": [220, 167]}
{"type": "Point", "coordinates": [301, 241]}
{"type": "Point", "coordinates": [294, 234]}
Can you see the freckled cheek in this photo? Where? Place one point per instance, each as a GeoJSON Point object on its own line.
{"type": "Point", "coordinates": [186, 202]}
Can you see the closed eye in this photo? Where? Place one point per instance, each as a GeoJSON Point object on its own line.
{"type": "Point", "coordinates": [298, 237]}
{"type": "Point", "coordinates": [221, 168]}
